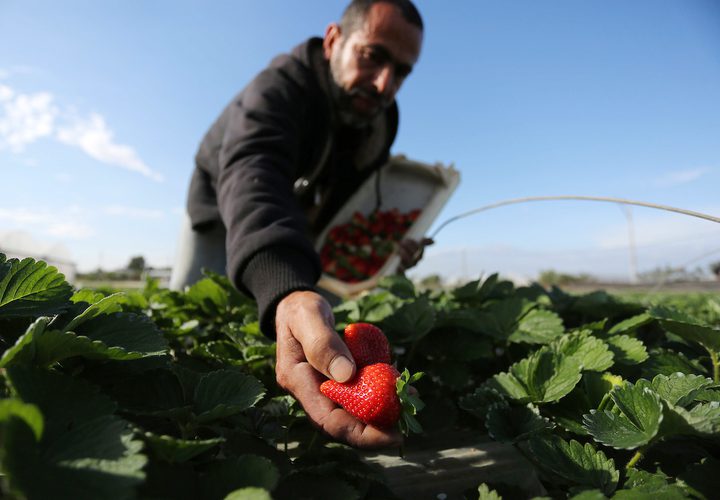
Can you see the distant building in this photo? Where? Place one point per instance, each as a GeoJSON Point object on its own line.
{"type": "Point", "coordinates": [20, 245]}
{"type": "Point", "coordinates": [162, 274]}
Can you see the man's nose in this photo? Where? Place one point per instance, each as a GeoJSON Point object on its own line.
{"type": "Point", "coordinates": [385, 81]}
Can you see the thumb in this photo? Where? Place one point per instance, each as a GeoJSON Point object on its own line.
{"type": "Point", "coordinates": [310, 321]}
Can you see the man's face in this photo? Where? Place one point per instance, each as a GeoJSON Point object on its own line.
{"type": "Point", "coordinates": [370, 64]}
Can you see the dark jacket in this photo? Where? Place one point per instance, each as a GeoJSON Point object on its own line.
{"type": "Point", "coordinates": [275, 167]}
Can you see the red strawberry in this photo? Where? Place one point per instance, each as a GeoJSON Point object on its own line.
{"type": "Point", "coordinates": [378, 395]}
{"type": "Point", "coordinates": [367, 344]}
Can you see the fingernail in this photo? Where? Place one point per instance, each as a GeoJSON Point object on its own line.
{"type": "Point", "coordinates": [341, 369]}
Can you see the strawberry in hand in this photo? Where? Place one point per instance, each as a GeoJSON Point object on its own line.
{"type": "Point", "coordinates": [367, 344]}
{"type": "Point", "coordinates": [378, 395]}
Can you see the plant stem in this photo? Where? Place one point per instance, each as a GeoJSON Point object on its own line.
{"type": "Point", "coordinates": [635, 458]}
{"type": "Point", "coordinates": [604, 402]}
{"type": "Point", "coordinates": [716, 365]}
{"type": "Point", "coordinates": [411, 353]}
{"type": "Point", "coordinates": [312, 441]}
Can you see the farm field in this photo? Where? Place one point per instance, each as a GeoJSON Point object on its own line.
{"type": "Point", "coordinates": [529, 393]}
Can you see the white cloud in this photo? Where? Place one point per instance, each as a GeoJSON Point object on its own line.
{"type": "Point", "coordinates": [132, 212]}
{"type": "Point", "coordinates": [682, 176]}
{"type": "Point", "coordinates": [6, 73]}
{"type": "Point", "coordinates": [523, 264]}
{"type": "Point", "coordinates": [63, 223]}
{"type": "Point", "coordinates": [25, 118]}
{"type": "Point", "coordinates": [22, 216]}
{"type": "Point", "coordinates": [70, 230]}
{"type": "Point", "coordinates": [652, 230]}
{"type": "Point", "coordinates": [63, 178]}
{"type": "Point", "coordinates": [95, 138]}
{"type": "Point", "coordinates": [6, 93]}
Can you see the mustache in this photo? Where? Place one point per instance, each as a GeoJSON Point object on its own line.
{"type": "Point", "coordinates": [382, 101]}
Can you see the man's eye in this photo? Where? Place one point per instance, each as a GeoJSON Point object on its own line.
{"type": "Point", "coordinates": [374, 56]}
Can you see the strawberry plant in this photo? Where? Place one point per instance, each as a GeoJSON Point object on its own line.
{"type": "Point", "coordinates": [163, 394]}
{"type": "Point", "coordinates": [356, 250]}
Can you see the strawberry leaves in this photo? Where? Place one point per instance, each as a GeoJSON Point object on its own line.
{"type": "Point", "coordinates": [410, 402]}
{"type": "Point", "coordinates": [635, 423]}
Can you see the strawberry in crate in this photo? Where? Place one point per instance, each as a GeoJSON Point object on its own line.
{"type": "Point", "coordinates": [356, 250]}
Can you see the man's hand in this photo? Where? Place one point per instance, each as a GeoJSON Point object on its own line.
{"type": "Point", "coordinates": [309, 351]}
{"type": "Point", "coordinates": [411, 251]}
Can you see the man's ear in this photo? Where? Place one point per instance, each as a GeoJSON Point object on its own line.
{"type": "Point", "coordinates": [331, 39]}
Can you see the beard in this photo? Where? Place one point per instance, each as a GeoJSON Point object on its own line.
{"type": "Point", "coordinates": [347, 112]}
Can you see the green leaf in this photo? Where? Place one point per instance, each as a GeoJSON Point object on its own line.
{"type": "Point", "coordinates": [41, 347]}
{"type": "Point", "coordinates": [538, 327]}
{"type": "Point", "coordinates": [591, 353]}
{"type": "Point", "coordinates": [588, 495]}
{"type": "Point", "coordinates": [702, 420]}
{"type": "Point", "coordinates": [225, 476]}
{"type": "Point", "coordinates": [463, 345]}
{"type": "Point", "coordinates": [23, 351]}
{"type": "Point", "coordinates": [249, 494]}
{"type": "Point", "coordinates": [667, 362]}
{"type": "Point", "coordinates": [479, 402]}
{"type": "Point", "coordinates": [703, 477]}
{"type": "Point", "coordinates": [543, 377]}
{"type": "Point", "coordinates": [410, 402]}
{"type": "Point", "coordinates": [65, 402]}
{"type": "Point", "coordinates": [636, 422]}
{"type": "Point", "coordinates": [220, 350]}
{"type": "Point", "coordinates": [28, 413]}
{"type": "Point", "coordinates": [130, 332]}
{"type": "Point", "coordinates": [155, 392]}
{"type": "Point", "coordinates": [630, 325]}
{"type": "Point", "coordinates": [687, 327]}
{"type": "Point", "coordinates": [86, 296]}
{"type": "Point", "coordinates": [316, 487]}
{"type": "Point", "coordinates": [511, 424]}
{"type": "Point", "coordinates": [597, 386]}
{"type": "Point", "coordinates": [643, 485]}
{"type": "Point", "coordinates": [96, 459]}
{"type": "Point", "coordinates": [707, 395]}
{"type": "Point", "coordinates": [586, 396]}
{"type": "Point", "coordinates": [411, 322]}
{"type": "Point", "coordinates": [104, 306]}
{"type": "Point", "coordinates": [398, 285]}
{"type": "Point", "coordinates": [627, 350]}
{"type": "Point", "coordinates": [223, 393]}
{"type": "Point", "coordinates": [462, 319]}
{"type": "Point", "coordinates": [485, 493]}
{"type": "Point", "coordinates": [30, 288]}
{"type": "Point", "coordinates": [637, 478]}
{"type": "Point", "coordinates": [575, 463]}
{"type": "Point", "coordinates": [176, 450]}
{"type": "Point", "coordinates": [500, 319]}
{"type": "Point", "coordinates": [210, 296]}
{"type": "Point", "coordinates": [600, 304]}
{"type": "Point", "coordinates": [680, 389]}
{"type": "Point", "coordinates": [478, 291]}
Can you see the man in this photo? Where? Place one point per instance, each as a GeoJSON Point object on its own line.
{"type": "Point", "coordinates": [273, 169]}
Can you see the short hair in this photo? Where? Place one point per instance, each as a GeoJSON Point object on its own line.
{"type": "Point", "coordinates": [354, 15]}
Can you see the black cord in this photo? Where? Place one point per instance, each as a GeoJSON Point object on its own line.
{"type": "Point", "coordinates": [378, 194]}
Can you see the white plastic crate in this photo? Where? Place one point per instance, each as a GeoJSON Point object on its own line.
{"type": "Point", "coordinates": [406, 185]}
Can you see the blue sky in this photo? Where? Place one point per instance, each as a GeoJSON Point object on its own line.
{"type": "Point", "coordinates": [102, 106]}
